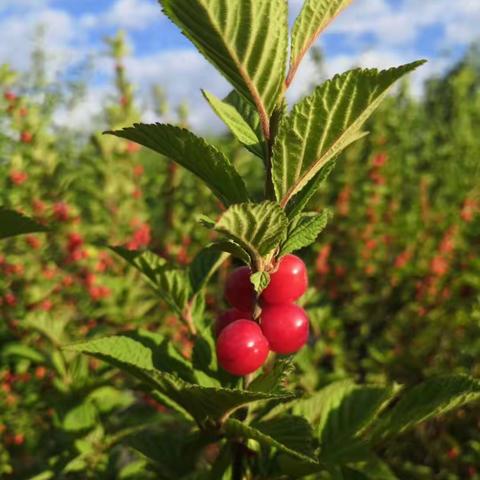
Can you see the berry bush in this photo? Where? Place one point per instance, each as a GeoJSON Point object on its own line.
{"type": "Point", "coordinates": [179, 308]}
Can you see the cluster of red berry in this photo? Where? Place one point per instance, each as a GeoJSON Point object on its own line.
{"type": "Point", "coordinates": [244, 342]}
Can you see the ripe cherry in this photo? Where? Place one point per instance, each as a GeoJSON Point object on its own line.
{"type": "Point", "coordinates": [285, 327]}
{"type": "Point", "coordinates": [228, 317]}
{"type": "Point", "coordinates": [288, 283]}
{"type": "Point", "coordinates": [26, 137]}
{"type": "Point", "coordinates": [9, 96]}
{"type": "Point", "coordinates": [239, 291]}
{"type": "Point", "coordinates": [242, 348]}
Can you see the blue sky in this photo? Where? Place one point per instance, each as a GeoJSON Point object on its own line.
{"type": "Point", "coordinates": [378, 33]}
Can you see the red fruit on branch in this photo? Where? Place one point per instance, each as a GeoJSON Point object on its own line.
{"type": "Point", "coordinates": [10, 299]}
{"type": "Point", "coordinates": [133, 147]}
{"type": "Point", "coordinates": [98, 292]}
{"type": "Point", "coordinates": [285, 327]}
{"type": "Point", "coordinates": [228, 317]}
{"type": "Point", "coordinates": [288, 282]}
{"type": "Point", "coordinates": [138, 169]}
{"type": "Point", "coordinates": [61, 211]}
{"type": "Point", "coordinates": [242, 348]}
{"type": "Point", "coordinates": [40, 372]}
{"type": "Point", "coordinates": [141, 237]}
{"type": "Point", "coordinates": [9, 96]}
{"type": "Point", "coordinates": [75, 241]}
{"type": "Point", "coordinates": [18, 439]}
{"type": "Point", "coordinates": [26, 137]}
{"type": "Point", "coordinates": [18, 177]}
{"type": "Point", "coordinates": [33, 241]}
{"type": "Point", "coordinates": [38, 207]}
{"type": "Point", "coordinates": [239, 291]}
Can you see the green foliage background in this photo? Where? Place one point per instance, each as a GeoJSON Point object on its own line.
{"type": "Point", "coordinates": [394, 298]}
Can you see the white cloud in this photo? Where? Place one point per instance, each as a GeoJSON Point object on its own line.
{"type": "Point", "coordinates": [81, 115]}
{"type": "Point", "coordinates": [128, 14]}
{"type": "Point", "coordinates": [60, 39]}
{"type": "Point", "coordinates": [182, 73]}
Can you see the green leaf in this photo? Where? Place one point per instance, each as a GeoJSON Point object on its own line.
{"type": "Point", "coordinates": [257, 228]}
{"type": "Point", "coordinates": [260, 281]}
{"type": "Point", "coordinates": [303, 230]}
{"type": "Point", "coordinates": [171, 284]}
{"type": "Point", "coordinates": [339, 413]}
{"type": "Point", "coordinates": [22, 351]}
{"type": "Point", "coordinates": [166, 449]}
{"type": "Point", "coordinates": [314, 17]}
{"type": "Point", "coordinates": [325, 123]}
{"type": "Point", "coordinates": [146, 262]}
{"type": "Point", "coordinates": [107, 398]}
{"type": "Point", "coordinates": [375, 469]}
{"type": "Point", "coordinates": [81, 417]}
{"type": "Point", "coordinates": [273, 380]}
{"type": "Point", "coordinates": [204, 359]}
{"type": "Point", "coordinates": [301, 199]}
{"type": "Point", "coordinates": [239, 127]}
{"type": "Point", "coordinates": [142, 358]}
{"type": "Point", "coordinates": [233, 248]}
{"type": "Point", "coordinates": [194, 154]}
{"type": "Point", "coordinates": [436, 396]}
{"type": "Point", "coordinates": [289, 434]}
{"type": "Point", "coordinates": [203, 266]}
{"type": "Point", "coordinates": [246, 110]}
{"type": "Point", "coordinates": [246, 40]}
{"type": "Point", "coordinates": [139, 350]}
{"type": "Point", "coordinates": [13, 223]}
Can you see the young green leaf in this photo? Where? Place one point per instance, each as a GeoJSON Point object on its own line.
{"type": "Point", "coordinates": [257, 228]}
{"type": "Point", "coordinates": [171, 284]}
{"type": "Point", "coordinates": [233, 248]}
{"type": "Point", "coordinates": [289, 434]}
{"type": "Point", "coordinates": [192, 153]}
{"type": "Point", "coordinates": [13, 223]}
{"type": "Point", "coordinates": [274, 379]}
{"type": "Point", "coordinates": [239, 127]}
{"type": "Point", "coordinates": [301, 199]}
{"type": "Point", "coordinates": [260, 281]}
{"type": "Point", "coordinates": [374, 468]}
{"type": "Point", "coordinates": [246, 110]}
{"type": "Point", "coordinates": [246, 40]}
{"type": "Point", "coordinates": [436, 396]}
{"type": "Point", "coordinates": [303, 230]}
{"type": "Point", "coordinates": [203, 266]}
{"type": "Point", "coordinates": [325, 123]}
{"type": "Point", "coordinates": [81, 417]}
{"type": "Point", "coordinates": [314, 17]}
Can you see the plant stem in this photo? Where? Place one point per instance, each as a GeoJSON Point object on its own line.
{"type": "Point", "coordinates": [274, 124]}
{"type": "Point", "coordinates": [237, 464]}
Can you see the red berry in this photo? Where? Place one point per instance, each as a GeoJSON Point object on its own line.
{"type": "Point", "coordinates": [228, 317]}
{"type": "Point", "coordinates": [9, 96]}
{"type": "Point", "coordinates": [288, 283]}
{"type": "Point", "coordinates": [239, 291]}
{"type": "Point", "coordinates": [26, 137]}
{"type": "Point", "coordinates": [33, 241]}
{"type": "Point", "coordinates": [242, 348]}
{"type": "Point", "coordinates": [133, 147]}
{"type": "Point", "coordinates": [285, 327]}
{"type": "Point", "coordinates": [61, 211]}
{"type": "Point", "coordinates": [18, 177]}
